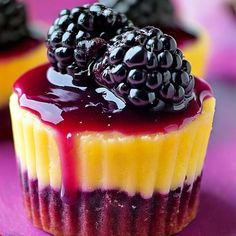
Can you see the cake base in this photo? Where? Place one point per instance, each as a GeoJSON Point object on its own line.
{"type": "Point", "coordinates": [5, 124]}
{"type": "Point", "coordinates": [110, 212]}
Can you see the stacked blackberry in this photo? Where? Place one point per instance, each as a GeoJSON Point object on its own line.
{"type": "Point", "coordinates": [79, 35]}
{"type": "Point", "coordinates": [143, 67]}
{"type": "Point", "coordinates": [146, 69]}
{"type": "Point", "coordinates": [13, 23]}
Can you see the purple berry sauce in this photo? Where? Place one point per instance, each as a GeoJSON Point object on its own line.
{"type": "Point", "coordinates": [69, 108]}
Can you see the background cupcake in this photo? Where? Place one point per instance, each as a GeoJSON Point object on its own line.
{"type": "Point", "coordinates": [164, 14]}
{"type": "Point", "coordinates": [219, 20]}
{"type": "Point", "coordinates": [21, 48]}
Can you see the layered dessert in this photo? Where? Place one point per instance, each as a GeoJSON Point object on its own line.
{"type": "Point", "coordinates": [111, 136]}
{"type": "Point", "coordinates": [21, 48]}
{"type": "Point", "coordinates": [194, 41]}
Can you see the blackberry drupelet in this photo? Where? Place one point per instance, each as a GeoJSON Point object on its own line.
{"type": "Point", "coordinates": [13, 23]}
{"type": "Point", "coordinates": [158, 13]}
{"type": "Point", "coordinates": [79, 35]}
{"type": "Point", "coordinates": [146, 69]}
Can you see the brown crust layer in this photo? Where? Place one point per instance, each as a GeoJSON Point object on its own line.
{"type": "Point", "coordinates": [111, 212]}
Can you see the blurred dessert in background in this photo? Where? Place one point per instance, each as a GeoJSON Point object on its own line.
{"type": "Point", "coordinates": [232, 7]}
{"type": "Point", "coordinates": [219, 21]}
{"type": "Point", "coordinates": [193, 40]}
{"type": "Point", "coordinates": [21, 48]}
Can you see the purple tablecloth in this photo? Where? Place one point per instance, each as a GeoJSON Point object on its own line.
{"type": "Point", "coordinates": [217, 214]}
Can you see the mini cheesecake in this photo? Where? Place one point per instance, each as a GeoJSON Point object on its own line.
{"type": "Point", "coordinates": [82, 169]}
{"type": "Point", "coordinates": [105, 147]}
{"type": "Point", "coordinates": [21, 48]}
{"type": "Point", "coordinates": [193, 41]}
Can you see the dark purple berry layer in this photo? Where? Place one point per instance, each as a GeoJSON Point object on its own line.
{"type": "Point", "coordinates": [13, 23]}
{"type": "Point", "coordinates": [79, 35]}
{"type": "Point", "coordinates": [111, 212]}
{"type": "Point", "coordinates": [145, 68]}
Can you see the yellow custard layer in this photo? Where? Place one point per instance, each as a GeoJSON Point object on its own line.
{"type": "Point", "coordinates": [12, 68]}
{"type": "Point", "coordinates": [197, 53]}
{"type": "Point", "coordinates": [110, 160]}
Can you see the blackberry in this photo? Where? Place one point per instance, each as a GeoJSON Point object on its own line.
{"type": "Point", "coordinates": [145, 68]}
{"type": "Point", "coordinates": [79, 35]}
{"type": "Point", "coordinates": [145, 12]}
{"type": "Point", "coordinates": [13, 23]}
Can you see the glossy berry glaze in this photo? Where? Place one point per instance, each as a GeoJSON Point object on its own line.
{"type": "Point", "coordinates": [111, 212]}
{"type": "Point", "coordinates": [71, 108]}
